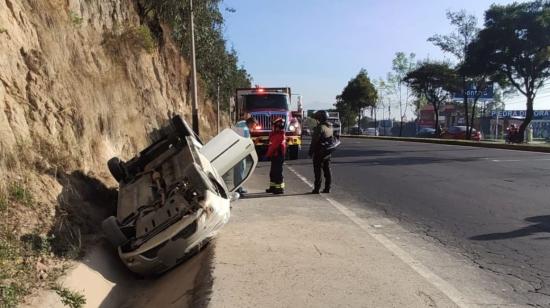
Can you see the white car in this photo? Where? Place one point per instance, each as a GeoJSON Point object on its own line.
{"type": "Point", "coordinates": [371, 132]}
{"type": "Point", "coordinates": [175, 195]}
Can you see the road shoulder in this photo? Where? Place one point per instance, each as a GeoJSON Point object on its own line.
{"type": "Point", "coordinates": [299, 250]}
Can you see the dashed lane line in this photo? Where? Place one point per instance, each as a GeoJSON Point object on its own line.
{"type": "Point", "coordinates": [445, 287]}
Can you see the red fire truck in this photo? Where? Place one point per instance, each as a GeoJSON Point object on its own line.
{"type": "Point", "coordinates": [265, 105]}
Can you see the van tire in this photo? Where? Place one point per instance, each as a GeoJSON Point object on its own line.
{"type": "Point", "coordinates": [112, 231]}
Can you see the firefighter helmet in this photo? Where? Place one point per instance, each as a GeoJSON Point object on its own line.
{"type": "Point", "coordinates": [279, 123]}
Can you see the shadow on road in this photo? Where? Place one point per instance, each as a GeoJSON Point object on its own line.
{"type": "Point", "coordinates": [268, 195]}
{"type": "Point", "coordinates": [403, 161]}
{"type": "Point", "coordinates": [541, 224]}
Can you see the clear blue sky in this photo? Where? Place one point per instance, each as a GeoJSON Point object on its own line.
{"type": "Point", "coordinates": [317, 46]}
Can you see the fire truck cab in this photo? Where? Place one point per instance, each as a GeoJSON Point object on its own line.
{"type": "Point", "coordinates": [265, 105]}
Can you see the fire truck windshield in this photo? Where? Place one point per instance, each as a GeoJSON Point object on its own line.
{"type": "Point", "coordinates": [266, 101]}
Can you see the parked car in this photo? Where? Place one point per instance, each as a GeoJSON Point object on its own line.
{"type": "Point", "coordinates": [371, 131]}
{"type": "Point", "coordinates": [356, 131]}
{"type": "Point", "coordinates": [175, 195]}
{"type": "Point", "coordinates": [426, 133]}
{"type": "Point", "coordinates": [459, 132]}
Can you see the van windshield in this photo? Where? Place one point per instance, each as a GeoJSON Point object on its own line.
{"type": "Point", "coordinates": [239, 173]}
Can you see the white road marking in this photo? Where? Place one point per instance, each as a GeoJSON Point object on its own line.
{"type": "Point", "coordinates": [516, 160]}
{"type": "Point", "coordinates": [445, 287]}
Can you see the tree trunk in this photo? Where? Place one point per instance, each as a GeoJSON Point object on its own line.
{"type": "Point", "coordinates": [375, 122]}
{"type": "Point", "coordinates": [466, 118]}
{"type": "Point", "coordinates": [359, 121]}
{"type": "Point", "coordinates": [436, 124]}
{"type": "Point", "coordinates": [528, 116]}
{"type": "Point", "coordinates": [472, 119]}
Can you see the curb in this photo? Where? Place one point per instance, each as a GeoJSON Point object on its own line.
{"type": "Point", "coordinates": [479, 144]}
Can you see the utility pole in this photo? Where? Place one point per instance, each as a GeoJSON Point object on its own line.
{"type": "Point", "coordinates": [195, 111]}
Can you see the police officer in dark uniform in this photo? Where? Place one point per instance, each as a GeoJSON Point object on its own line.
{"type": "Point", "coordinates": [321, 157]}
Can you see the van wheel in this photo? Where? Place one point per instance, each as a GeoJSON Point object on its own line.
{"type": "Point", "coordinates": [115, 167]}
{"type": "Point", "coordinates": [293, 151]}
{"type": "Point", "coordinates": [112, 231]}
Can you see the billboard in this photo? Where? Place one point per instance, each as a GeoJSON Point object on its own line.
{"type": "Point", "coordinates": [538, 114]}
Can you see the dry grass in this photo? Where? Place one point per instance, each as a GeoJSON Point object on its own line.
{"type": "Point", "coordinates": [28, 253]}
{"type": "Point", "coordinates": [25, 259]}
{"type": "Point", "coordinates": [135, 38]}
{"type": "Point", "coordinates": [75, 19]}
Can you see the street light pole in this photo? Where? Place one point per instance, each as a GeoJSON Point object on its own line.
{"type": "Point", "coordinates": [195, 111]}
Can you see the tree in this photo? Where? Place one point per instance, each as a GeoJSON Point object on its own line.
{"type": "Point", "coordinates": [347, 115]}
{"type": "Point", "coordinates": [479, 78]}
{"type": "Point", "coordinates": [435, 82]}
{"type": "Point", "coordinates": [216, 64]}
{"type": "Point", "coordinates": [359, 93]}
{"type": "Point", "coordinates": [515, 46]}
{"type": "Point", "coordinates": [456, 43]}
{"type": "Point", "coordinates": [401, 66]}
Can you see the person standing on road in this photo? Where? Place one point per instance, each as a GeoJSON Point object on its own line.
{"type": "Point", "coordinates": [321, 137]}
{"type": "Point", "coordinates": [276, 152]}
{"type": "Point", "coordinates": [243, 128]}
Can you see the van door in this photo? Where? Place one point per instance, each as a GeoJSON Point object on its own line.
{"type": "Point", "coordinates": [234, 157]}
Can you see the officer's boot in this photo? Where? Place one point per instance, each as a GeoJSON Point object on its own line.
{"type": "Point", "coordinates": [271, 188]}
{"type": "Point", "coordinates": [279, 189]}
{"type": "Point", "coordinates": [316, 190]}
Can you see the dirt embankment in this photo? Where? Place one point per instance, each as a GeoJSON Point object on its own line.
{"type": "Point", "coordinates": [80, 81]}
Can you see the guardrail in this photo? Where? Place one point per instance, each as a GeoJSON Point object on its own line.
{"type": "Point", "coordinates": [480, 144]}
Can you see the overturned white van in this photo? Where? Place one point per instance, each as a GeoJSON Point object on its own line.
{"type": "Point", "coordinates": [175, 195]}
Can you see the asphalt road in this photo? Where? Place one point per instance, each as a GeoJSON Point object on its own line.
{"type": "Point", "coordinates": [492, 205]}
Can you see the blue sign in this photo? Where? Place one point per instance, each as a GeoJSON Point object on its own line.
{"type": "Point", "coordinates": [472, 92]}
{"type": "Point", "coordinates": [538, 114]}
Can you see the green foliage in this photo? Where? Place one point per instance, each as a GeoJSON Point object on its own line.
{"type": "Point", "coordinates": [10, 295]}
{"type": "Point", "coordinates": [359, 93]}
{"type": "Point", "coordinates": [12, 274]}
{"type": "Point", "coordinates": [75, 18]}
{"type": "Point", "coordinates": [70, 298]}
{"type": "Point", "coordinates": [401, 66]}
{"type": "Point", "coordinates": [3, 202]}
{"type": "Point", "coordinates": [34, 244]}
{"type": "Point", "coordinates": [140, 37]}
{"type": "Point", "coordinates": [215, 63]}
{"type": "Point", "coordinates": [18, 193]}
{"type": "Point", "coordinates": [348, 116]}
{"type": "Point", "coordinates": [456, 42]}
{"type": "Point", "coordinates": [137, 38]}
{"type": "Point", "coordinates": [514, 46]}
{"type": "Point", "coordinates": [434, 81]}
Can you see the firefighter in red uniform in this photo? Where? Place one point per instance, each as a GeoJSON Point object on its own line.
{"type": "Point", "coordinates": [276, 152]}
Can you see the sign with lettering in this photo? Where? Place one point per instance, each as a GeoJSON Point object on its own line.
{"type": "Point", "coordinates": [472, 92]}
{"type": "Point", "coordinates": [538, 114]}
